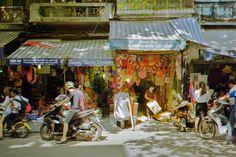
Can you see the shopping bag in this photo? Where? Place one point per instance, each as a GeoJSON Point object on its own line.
{"type": "Point", "coordinates": [154, 106]}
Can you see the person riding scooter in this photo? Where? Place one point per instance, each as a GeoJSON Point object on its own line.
{"type": "Point", "coordinates": [5, 108]}
{"type": "Point", "coordinates": [15, 106]}
{"type": "Point", "coordinates": [232, 118]}
{"type": "Point", "coordinates": [74, 98]}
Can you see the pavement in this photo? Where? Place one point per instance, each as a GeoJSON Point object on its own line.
{"type": "Point", "coordinates": [150, 139]}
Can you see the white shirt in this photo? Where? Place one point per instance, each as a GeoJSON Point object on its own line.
{"type": "Point", "coordinates": [17, 105]}
{"type": "Point", "coordinates": [6, 102]}
{"type": "Point", "coordinates": [201, 98]}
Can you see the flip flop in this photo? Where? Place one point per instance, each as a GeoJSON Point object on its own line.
{"type": "Point", "coordinates": [61, 142]}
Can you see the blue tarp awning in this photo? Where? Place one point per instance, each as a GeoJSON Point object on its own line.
{"type": "Point", "coordinates": [168, 35]}
{"type": "Point", "coordinates": [73, 53]}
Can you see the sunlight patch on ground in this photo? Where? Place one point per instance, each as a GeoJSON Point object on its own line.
{"type": "Point", "coordinates": [23, 145]}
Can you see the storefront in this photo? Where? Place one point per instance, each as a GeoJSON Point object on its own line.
{"type": "Point", "coordinates": [149, 52]}
{"type": "Point", "coordinates": [85, 62]}
{"type": "Point", "coordinates": [8, 43]}
{"type": "Point", "coordinates": [218, 61]}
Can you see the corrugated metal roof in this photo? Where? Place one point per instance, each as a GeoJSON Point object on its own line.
{"type": "Point", "coordinates": [221, 42]}
{"type": "Point", "coordinates": [79, 53]}
{"type": "Point", "coordinates": [154, 35]}
{"type": "Point", "coordinates": [223, 39]}
{"type": "Point", "coordinates": [154, 30]}
{"type": "Point", "coordinates": [144, 35]}
{"type": "Point", "coordinates": [6, 37]}
{"type": "Point", "coordinates": [214, 0]}
{"type": "Point", "coordinates": [188, 29]}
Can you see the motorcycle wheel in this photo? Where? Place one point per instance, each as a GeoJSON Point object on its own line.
{"type": "Point", "coordinates": [45, 133]}
{"type": "Point", "coordinates": [208, 131]}
{"type": "Point", "coordinates": [21, 131]}
{"type": "Point", "coordinates": [97, 130]}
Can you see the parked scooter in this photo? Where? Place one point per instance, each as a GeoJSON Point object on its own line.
{"type": "Point", "coordinates": [216, 121]}
{"type": "Point", "coordinates": [84, 126]}
{"type": "Point", "coordinates": [185, 116]}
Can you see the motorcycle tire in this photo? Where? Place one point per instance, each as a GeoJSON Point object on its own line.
{"type": "Point", "coordinates": [21, 131]}
{"type": "Point", "coordinates": [209, 131]}
{"type": "Point", "coordinates": [45, 133]}
{"type": "Point", "coordinates": [97, 131]}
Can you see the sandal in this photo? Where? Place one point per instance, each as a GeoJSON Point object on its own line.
{"type": "Point", "coordinates": [61, 142]}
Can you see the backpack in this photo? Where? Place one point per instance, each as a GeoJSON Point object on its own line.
{"type": "Point", "coordinates": [25, 106]}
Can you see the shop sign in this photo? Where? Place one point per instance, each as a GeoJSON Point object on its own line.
{"type": "Point", "coordinates": [90, 62]}
{"type": "Point", "coordinates": [34, 61]}
{"type": "Point", "coordinates": [147, 45]}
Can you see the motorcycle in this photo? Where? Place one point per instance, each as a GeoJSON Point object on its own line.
{"type": "Point", "coordinates": [84, 126]}
{"type": "Point", "coordinates": [185, 116]}
{"type": "Point", "coordinates": [21, 126]}
{"type": "Point", "coordinates": [216, 121]}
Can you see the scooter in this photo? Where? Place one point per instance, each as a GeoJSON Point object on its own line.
{"type": "Point", "coordinates": [84, 126]}
{"type": "Point", "coordinates": [21, 126]}
{"type": "Point", "coordinates": [216, 121]}
{"type": "Point", "coordinates": [185, 117]}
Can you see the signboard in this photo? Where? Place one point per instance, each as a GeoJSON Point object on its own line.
{"type": "Point", "coordinates": [90, 62]}
{"type": "Point", "coordinates": [44, 70]}
{"type": "Point", "coordinates": [34, 61]}
{"type": "Point", "coordinates": [147, 45]}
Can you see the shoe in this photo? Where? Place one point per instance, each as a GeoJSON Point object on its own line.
{"type": "Point", "coordinates": [1, 138]}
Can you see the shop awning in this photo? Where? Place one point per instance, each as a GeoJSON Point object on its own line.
{"type": "Point", "coordinates": [168, 35]}
{"type": "Point", "coordinates": [221, 42]}
{"type": "Point", "coordinates": [144, 35]}
{"type": "Point", "coordinates": [188, 29]}
{"type": "Point", "coordinates": [5, 38]}
{"type": "Point", "coordinates": [75, 53]}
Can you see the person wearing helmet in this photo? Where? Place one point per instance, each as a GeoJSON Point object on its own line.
{"type": "Point", "coordinates": [74, 98]}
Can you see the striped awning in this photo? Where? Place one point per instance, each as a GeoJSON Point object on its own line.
{"type": "Point", "coordinates": [144, 35]}
{"type": "Point", "coordinates": [154, 35]}
{"type": "Point", "coordinates": [221, 42]}
{"type": "Point", "coordinates": [188, 29]}
{"type": "Point", "coordinates": [5, 38]}
{"type": "Point", "coordinates": [73, 53]}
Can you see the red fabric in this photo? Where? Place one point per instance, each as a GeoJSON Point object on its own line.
{"type": "Point", "coordinates": [191, 94]}
{"type": "Point", "coordinates": [29, 74]}
{"type": "Point", "coordinates": [37, 44]}
{"type": "Point", "coordinates": [78, 75]}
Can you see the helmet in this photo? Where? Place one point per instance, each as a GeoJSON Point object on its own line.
{"type": "Point", "coordinates": [70, 84]}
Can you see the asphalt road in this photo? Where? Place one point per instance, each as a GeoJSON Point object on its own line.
{"type": "Point", "coordinates": [150, 139]}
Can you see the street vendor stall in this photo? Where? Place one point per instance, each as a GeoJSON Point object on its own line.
{"type": "Point", "coordinates": [149, 52]}
{"type": "Point", "coordinates": [85, 62]}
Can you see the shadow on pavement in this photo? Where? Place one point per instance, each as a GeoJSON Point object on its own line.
{"type": "Point", "coordinates": [169, 142]}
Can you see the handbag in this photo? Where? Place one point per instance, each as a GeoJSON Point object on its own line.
{"type": "Point", "coordinates": [154, 106]}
